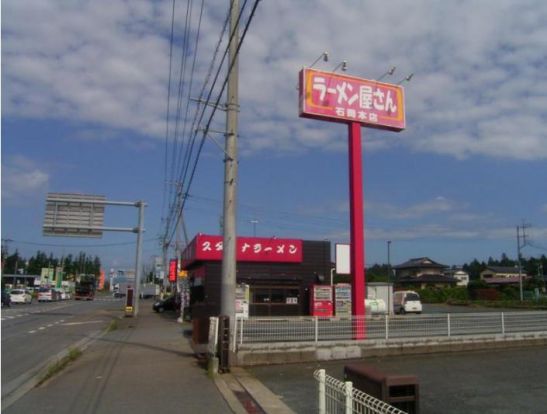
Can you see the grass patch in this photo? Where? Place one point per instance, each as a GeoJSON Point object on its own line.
{"type": "Point", "coordinates": [112, 326]}
{"type": "Point", "coordinates": [515, 304]}
{"type": "Point", "coordinates": [55, 368]}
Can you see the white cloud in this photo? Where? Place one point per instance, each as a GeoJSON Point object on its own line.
{"type": "Point", "coordinates": [436, 206]}
{"type": "Point", "coordinates": [22, 179]}
{"type": "Point", "coordinates": [479, 86]}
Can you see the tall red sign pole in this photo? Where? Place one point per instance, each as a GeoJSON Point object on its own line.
{"type": "Point", "coordinates": [357, 228]}
{"type": "Point", "coordinates": [357, 102]}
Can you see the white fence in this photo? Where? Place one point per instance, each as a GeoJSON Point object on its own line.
{"type": "Point", "coordinates": [316, 329]}
{"type": "Point", "coordinates": [338, 397]}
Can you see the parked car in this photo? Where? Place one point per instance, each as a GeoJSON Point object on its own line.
{"type": "Point", "coordinates": [20, 296]}
{"type": "Point", "coordinates": [6, 300]}
{"type": "Point", "coordinates": [375, 306]}
{"type": "Point", "coordinates": [46, 295]}
{"type": "Point", "coordinates": [61, 294]}
{"type": "Point", "coordinates": [169, 303]}
{"type": "Point", "coordinates": [406, 301]}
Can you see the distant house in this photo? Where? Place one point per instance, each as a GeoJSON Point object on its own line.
{"type": "Point", "coordinates": [460, 275]}
{"type": "Point", "coordinates": [502, 275]}
{"type": "Point", "coordinates": [423, 272]}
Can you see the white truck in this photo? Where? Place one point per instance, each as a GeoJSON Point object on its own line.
{"type": "Point", "coordinates": [149, 290]}
{"type": "Point", "coordinates": [120, 289]}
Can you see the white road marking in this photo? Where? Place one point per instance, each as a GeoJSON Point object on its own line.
{"type": "Point", "coordinates": [80, 323]}
{"type": "Point", "coordinates": [31, 332]}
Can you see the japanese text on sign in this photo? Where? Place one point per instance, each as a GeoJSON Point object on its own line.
{"type": "Point", "coordinates": [252, 249]}
{"type": "Point", "coordinates": [342, 98]}
{"type": "Point", "coordinates": [173, 270]}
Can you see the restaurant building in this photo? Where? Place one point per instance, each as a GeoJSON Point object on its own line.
{"type": "Point", "coordinates": [278, 273]}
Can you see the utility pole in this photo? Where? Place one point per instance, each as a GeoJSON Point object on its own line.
{"type": "Point", "coordinates": [138, 267]}
{"type": "Point", "coordinates": [519, 247]}
{"type": "Point", "coordinates": [228, 280]}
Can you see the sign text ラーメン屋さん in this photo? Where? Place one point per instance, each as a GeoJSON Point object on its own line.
{"type": "Point", "coordinates": [341, 98]}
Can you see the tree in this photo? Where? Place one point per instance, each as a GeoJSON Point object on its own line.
{"type": "Point", "coordinates": [37, 262]}
{"type": "Point", "coordinates": [505, 261]}
{"type": "Point", "coordinates": [474, 269]}
{"type": "Point", "coordinates": [13, 262]}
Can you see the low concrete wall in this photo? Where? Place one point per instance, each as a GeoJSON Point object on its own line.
{"type": "Point", "coordinates": [282, 353]}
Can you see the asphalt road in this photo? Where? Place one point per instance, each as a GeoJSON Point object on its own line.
{"type": "Point", "coordinates": [32, 333]}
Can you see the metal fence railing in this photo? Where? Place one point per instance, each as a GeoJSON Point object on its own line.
{"type": "Point", "coordinates": [316, 329]}
{"type": "Point", "coordinates": [338, 397]}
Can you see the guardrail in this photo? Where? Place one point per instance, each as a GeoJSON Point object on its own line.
{"type": "Point", "coordinates": [316, 329]}
{"type": "Point", "coordinates": [338, 397]}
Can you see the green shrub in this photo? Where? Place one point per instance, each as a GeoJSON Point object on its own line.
{"type": "Point", "coordinates": [443, 295]}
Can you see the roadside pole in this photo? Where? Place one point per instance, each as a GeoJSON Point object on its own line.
{"type": "Point", "coordinates": [228, 280]}
{"type": "Point", "coordinates": [138, 259]}
{"type": "Point", "coordinates": [357, 228]}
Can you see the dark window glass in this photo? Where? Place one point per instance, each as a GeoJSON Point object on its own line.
{"type": "Point", "coordinates": [278, 296]}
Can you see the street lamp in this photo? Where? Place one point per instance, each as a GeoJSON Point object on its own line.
{"type": "Point", "coordinates": [254, 222]}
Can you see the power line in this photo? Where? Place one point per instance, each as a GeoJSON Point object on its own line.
{"type": "Point", "coordinates": [168, 108]}
{"type": "Point", "coordinates": [173, 201]}
{"type": "Point", "coordinates": [172, 196]}
{"type": "Point", "coordinates": [182, 200]}
{"type": "Point", "coordinates": [82, 245]}
{"type": "Point", "coordinates": [190, 85]}
{"type": "Point", "coordinates": [537, 246]}
{"type": "Point", "coordinates": [215, 106]}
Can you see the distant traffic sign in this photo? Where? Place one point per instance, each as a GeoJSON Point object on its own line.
{"type": "Point", "coordinates": [75, 215]}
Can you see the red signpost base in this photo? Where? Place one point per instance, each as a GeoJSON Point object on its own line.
{"type": "Point", "coordinates": [357, 238]}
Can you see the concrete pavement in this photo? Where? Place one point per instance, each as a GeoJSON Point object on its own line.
{"type": "Point", "coordinates": [143, 366]}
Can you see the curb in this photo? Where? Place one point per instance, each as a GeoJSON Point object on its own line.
{"type": "Point", "coordinates": [228, 394]}
{"type": "Point", "coordinates": [245, 394]}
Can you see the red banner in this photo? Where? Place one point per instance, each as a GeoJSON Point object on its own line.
{"type": "Point", "coordinates": [173, 270]}
{"type": "Point", "coordinates": [341, 98]}
{"type": "Point", "coordinates": [249, 249]}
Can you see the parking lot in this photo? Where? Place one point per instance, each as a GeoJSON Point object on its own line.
{"type": "Point", "coordinates": [502, 381]}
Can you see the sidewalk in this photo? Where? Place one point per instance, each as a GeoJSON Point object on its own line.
{"type": "Point", "coordinates": [146, 365]}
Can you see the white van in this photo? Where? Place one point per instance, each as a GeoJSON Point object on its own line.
{"type": "Point", "coordinates": [406, 301]}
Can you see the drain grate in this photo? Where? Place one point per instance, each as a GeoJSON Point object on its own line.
{"type": "Point", "coordinates": [248, 402]}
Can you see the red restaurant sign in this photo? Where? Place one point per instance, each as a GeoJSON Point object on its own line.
{"type": "Point", "coordinates": [341, 98]}
{"type": "Point", "coordinates": [173, 270]}
{"type": "Point", "coordinates": [249, 249]}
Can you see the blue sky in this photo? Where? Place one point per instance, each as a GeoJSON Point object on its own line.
{"type": "Point", "coordinates": [84, 103]}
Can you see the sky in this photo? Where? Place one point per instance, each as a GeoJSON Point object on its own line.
{"type": "Point", "coordinates": [85, 93]}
